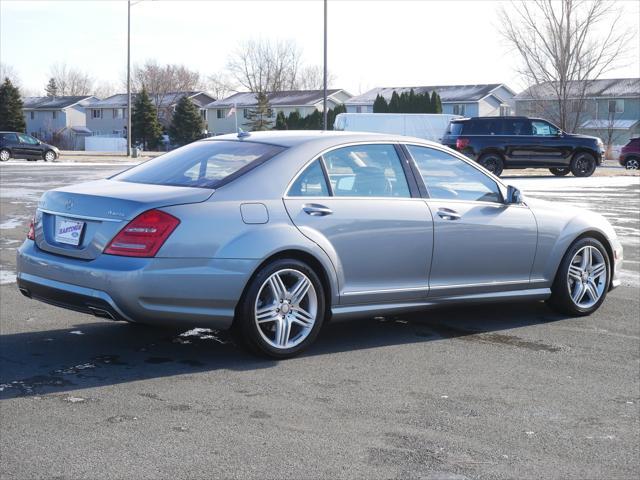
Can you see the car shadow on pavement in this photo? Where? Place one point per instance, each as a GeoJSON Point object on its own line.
{"type": "Point", "coordinates": [108, 353]}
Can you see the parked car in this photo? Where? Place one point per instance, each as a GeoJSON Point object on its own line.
{"type": "Point", "coordinates": [21, 145]}
{"type": "Point", "coordinates": [498, 143]}
{"type": "Point", "coordinates": [273, 234]}
{"type": "Point", "coordinates": [630, 154]}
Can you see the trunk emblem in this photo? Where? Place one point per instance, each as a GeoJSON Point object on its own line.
{"type": "Point", "coordinates": [68, 204]}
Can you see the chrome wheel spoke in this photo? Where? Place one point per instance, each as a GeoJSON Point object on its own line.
{"type": "Point", "coordinates": [598, 270]}
{"type": "Point", "coordinates": [266, 314]}
{"type": "Point", "coordinates": [283, 330]}
{"type": "Point", "coordinates": [586, 276]}
{"type": "Point", "coordinates": [302, 318]}
{"type": "Point", "coordinates": [575, 272]}
{"type": "Point", "coordinates": [299, 290]}
{"type": "Point", "coordinates": [277, 287]}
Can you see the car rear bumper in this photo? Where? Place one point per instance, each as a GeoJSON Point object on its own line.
{"type": "Point", "coordinates": [163, 291]}
{"type": "Point", "coordinates": [617, 264]}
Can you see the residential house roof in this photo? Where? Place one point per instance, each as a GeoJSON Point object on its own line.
{"type": "Point", "coordinates": [603, 88]}
{"type": "Point", "coordinates": [54, 103]}
{"type": "Point", "coordinates": [119, 100]}
{"type": "Point", "coordinates": [447, 93]}
{"type": "Point", "coordinates": [289, 98]}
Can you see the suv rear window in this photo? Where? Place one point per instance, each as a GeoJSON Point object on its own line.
{"type": "Point", "coordinates": [455, 128]}
{"type": "Point", "coordinates": [206, 164]}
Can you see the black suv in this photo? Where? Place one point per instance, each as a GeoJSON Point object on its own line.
{"type": "Point", "coordinates": [21, 145]}
{"type": "Point", "coordinates": [497, 143]}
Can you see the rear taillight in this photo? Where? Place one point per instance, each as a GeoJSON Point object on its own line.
{"type": "Point", "coordinates": [31, 233]}
{"type": "Point", "coordinates": [144, 235]}
{"type": "Point", "coordinates": [462, 143]}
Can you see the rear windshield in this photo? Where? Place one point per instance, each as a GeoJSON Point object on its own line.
{"type": "Point", "coordinates": [455, 128]}
{"type": "Point", "coordinates": [207, 164]}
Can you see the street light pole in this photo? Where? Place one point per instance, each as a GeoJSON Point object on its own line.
{"type": "Point", "coordinates": [128, 78]}
{"type": "Point", "coordinates": [324, 97]}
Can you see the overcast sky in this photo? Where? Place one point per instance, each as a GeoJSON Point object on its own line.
{"type": "Point", "coordinates": [371, 43]}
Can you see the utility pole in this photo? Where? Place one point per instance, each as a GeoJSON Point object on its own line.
{"type": "Point", "coordinates": [128, 78]}
{"type": "Point", "coordinates": [324, 98]}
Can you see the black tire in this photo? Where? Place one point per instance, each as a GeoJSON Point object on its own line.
{"type": "Point", "coordinates": [561, 299]}
{"type": "Point", "coordinates": [245, 328]}
{"type": "Point", "coordinates": [492, 162]}
{"type": "Point", "coordinates": [583, 164]}
{"type": "Point", "coordinates": [632, 163]}
{"type": "Point", "coordinates": [560, 172]}
{"type": "Point", "coordinates": [4, 155]}
{"type": "Point", "coordinates": [53, 156]}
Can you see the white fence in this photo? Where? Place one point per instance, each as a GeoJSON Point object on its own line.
{"type": "Point", "coordinates": [105, 144]}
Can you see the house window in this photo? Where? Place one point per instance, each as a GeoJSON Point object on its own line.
{"type": "Point", "coordinates": [270, 112]}
{"type": "Point", "coordinates": [32, 115]}
{"type": "Point", "coordinates": [458, 109]}
{"type": "Point", "coordinates": [505, 110]}
{"type": "Point", "coordinates": [115, 113]}
{"type": "Point", "coordinates": [616, 106]}
{"type": "Point", "coordinates": [95, 113]}
{"type": "Point", "coordinates": [203, 113]}
{"type": "Point", "coordinates": [55, 114]}
{"type": "Point", "coordinates": [219, 113]}
{"type": "Point", "coordinates": [246, 112]}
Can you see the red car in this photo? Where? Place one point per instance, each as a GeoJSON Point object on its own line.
{"type": "Point", "coordinates": [630, 154]}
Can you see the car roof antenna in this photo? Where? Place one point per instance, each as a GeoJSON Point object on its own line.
{"type": "Point", "coordinates": [243, 134]}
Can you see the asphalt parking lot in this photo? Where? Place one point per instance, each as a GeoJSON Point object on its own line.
{"type": "Point", "coordinates": [498, 391]}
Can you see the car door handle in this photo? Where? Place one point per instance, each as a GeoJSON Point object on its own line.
{"type": "Point", "coordinates": [448, 214]}
{"type": "Point", "coordinates": [316, 210]}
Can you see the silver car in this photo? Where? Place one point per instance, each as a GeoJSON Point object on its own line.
{"type": "Point", "coordinates": [275, 234]}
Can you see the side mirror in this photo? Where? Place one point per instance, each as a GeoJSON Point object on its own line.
{"type": "Point", "coordinates": [559, 133]}
{"type": "Point", "coordinates": [514, 196]}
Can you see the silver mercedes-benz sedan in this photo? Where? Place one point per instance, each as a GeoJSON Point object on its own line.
{"type": "Point", "coordinates": [275, 234]}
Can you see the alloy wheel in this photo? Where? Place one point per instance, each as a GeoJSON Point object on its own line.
{"type": "Point", "coordinates": [49, 156]}
{"type": "Point", "coordinates": [632, 164]}
{"type": "Point", "coordinates": [286, 309]}
{"type": "Point", "coordinates": [587, 277]}
{"type": "Point", "coordinates": [4, 155]}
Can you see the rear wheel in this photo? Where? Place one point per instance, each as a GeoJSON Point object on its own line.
{"type": "Point", "coordinates": [560, 172]}
{"type": "Point", "coordinates": [4, 155]}
{"type": "Point", "coordinates": [282, 310]}
{"type": "Point", "coordinates": [632, 164]}
{"type": "Point", "coordinates": [492, 162]}
{"type": "Point", "coordinates": [583, 164]}
{"type": "Point", "coordinates": [582, 280]}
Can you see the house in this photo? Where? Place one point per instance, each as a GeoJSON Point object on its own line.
{"type": "Point", "coordinates": [606, 108]}
{"type": "Point", "coordinates": [222, 117]}
{"type": "Point", "coordinates": [108, 117]}
{"type": "Point", "coordinates": [60, 120]}
{"type": "Point", "coordinates": [468, 100]}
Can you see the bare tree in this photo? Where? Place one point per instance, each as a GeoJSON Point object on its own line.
{"type": "Point", "coordinates": [219, 85]}
{"type": "Point", "coordinates": [7, 71]}
{"type": "Point", "coordinates": [263, 66]}
{"type": "Point", "coordinates": [104, 90]}
{"type": "Point", "coordinates": [311, 77]}
{"type": "Point", "coordinates": [612, 133]}
{"type": "Point", "coordinates": [70, 81]}
{"type": "Point", "coordinates": [164, 82]}
{"type": "Point", "coordinates": [562, 48]}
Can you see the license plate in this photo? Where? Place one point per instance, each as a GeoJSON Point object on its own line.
{"type": "Point", "coordinates": [68, 231]}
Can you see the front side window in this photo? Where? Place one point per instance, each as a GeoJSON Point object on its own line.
{"type": "Point", "coordinates": [311, 183]}
{"type": "Point", "coordinates": [517, 127]}
{"type": "Point", "coordinates": [449, 178]}
{"type": "Point", "coordinates": [543, 128]}
{"type": "Point", "coordinates": [207, 164]}
{"type": "Point", "coordinates": [366, 171]}
{"type": "Point", "coordinates": [27, 139]}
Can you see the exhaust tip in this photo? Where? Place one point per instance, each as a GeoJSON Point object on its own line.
{"type": "Point", "coordinates": [25, 292]}
{"type": "Point", "coordinates": [99, 312]}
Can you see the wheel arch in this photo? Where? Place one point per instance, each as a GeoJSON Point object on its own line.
{"type": "Point", "coordinates": [597, 235]}
{"type": "Point", "coordinates": [583, 149]}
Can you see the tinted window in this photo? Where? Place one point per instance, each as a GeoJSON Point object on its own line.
{"type": "Point", "coordinates": [485, 126]}
{"type": "Point", "coordinates": [517, 127]}
{"type": "Point", "coordinates": [311, 183]}
{"type": "Point", "coordinates": [205, 164]}
{"type": "Point", "coordinates": [9, 137]}
{"type": "Point", "coordinates": [447, 177]}
{"type": "Point", "coordinates": [366, 171]}
{"type": "Point", "coordinates": [543, 128]}
{"type": "Point", "coordinates": [455, 128]}
{"type": "Point", "coordinates": [27, 139]}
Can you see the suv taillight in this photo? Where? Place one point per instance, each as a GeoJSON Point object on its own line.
{"type": "Point", "coordinates": [462, 143]}
{"type": "Point", "coordinates": [144, 235]}
{"type": "Point", "coordinates": [31, 233]}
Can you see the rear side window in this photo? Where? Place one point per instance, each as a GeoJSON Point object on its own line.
{"type": "Point", "coordinates": [366, 171]}
{"type": "Point", "coordinates": [9, 137]}
{"type": "Point", "coordinates": [455, 128]}
{"type": "Point", "coordinates": [517, 127]}
{"type": "Point", "coordinates": [311, 183]}
{"type": "Point", "coordinates": [485, 126]}
{"type": "Point", "coordinates": [207, 164]}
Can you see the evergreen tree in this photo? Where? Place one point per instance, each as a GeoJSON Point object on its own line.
{"type": "Point", "coordinates": [394, 103]}
{"type": "Point", "coordinates": [11, 115]}
{"type": "Point", "coordinates": [187, 124]}
{"type": "Point", "coordinates": [259, 117]}
{"type": "Point", "coordinates": [412, 104]}
{"type": "Point", "coordinates": [333, 113]}
{"type": "Point", "coordinates": [313, 121]}
{"type": "Point", "coordinates": [436, 104]}
{"type": "Point", "coordinates": [281, 121]}
{"type": "Point", "coordinates": [427, 107]}
{"type": "Point", "coordinates": [52, 88]}
{"type": "Point", "coordinates": [380, 105]}
{"type": "Point", "coordinates": [144, 122]}
{"type": "Point", "coordinates": [294, 122]}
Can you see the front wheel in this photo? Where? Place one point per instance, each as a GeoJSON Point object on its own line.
{"type": "Point", "coordinates": [583, 164]}
{"type": "Point", "coordinates": [282, 310]}
{"type": "Point", "coordinates": [4, 155]}
{"type": "Point", "coordinates": [559, 172]}
{"type": "Point", "coordinates": [582, 280]}
{"type": "Point", "coordinates": [492, 162]}
{"type": "Point", "coordinates": [632, 164]}
{"type": "Point", "coordinates": [49, 156]}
